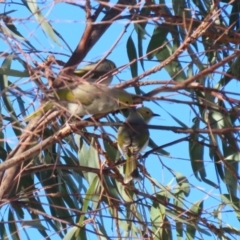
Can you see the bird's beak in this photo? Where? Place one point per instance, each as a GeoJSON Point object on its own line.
{"type": "Point", "coordinates": [156, 115]}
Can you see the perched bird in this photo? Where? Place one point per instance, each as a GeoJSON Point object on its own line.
{"type": "Point", "coordinates": [89, 73]}
{"type": "Point", "coordinates": [86, 98]}
{"type": "Point", "coordinates": [97, 70]}
{"type": "Point", "coordinates": [133, 137]}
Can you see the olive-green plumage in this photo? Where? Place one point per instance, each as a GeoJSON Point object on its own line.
{"type": "Point", "coordinates": [86, 98]}
{"type": "Point", "coordinates": [97, 70]}
{"type": "Point", "coordinates": [94, 99]}
{"type": "Point", "coordinates": [133, 137]}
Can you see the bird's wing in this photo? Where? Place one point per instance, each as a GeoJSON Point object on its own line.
{"type": "Point", "coordinates": [82, 93]}
{"type": "Point", "coordinates": [124, 139]}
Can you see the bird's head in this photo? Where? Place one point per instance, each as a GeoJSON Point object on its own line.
{"type": "Point", "coordinates": [125, 99]}
{"type": "Point", "coordinates": [97, 69]}
{"type": "Point", "coordinates": [146, 113]}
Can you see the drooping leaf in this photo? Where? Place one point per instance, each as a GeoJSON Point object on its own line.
{"type": "Point", "coordinates": [46, 26]}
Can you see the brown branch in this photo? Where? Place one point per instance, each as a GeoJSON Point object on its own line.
{"type": "Point", "coordinates": [190, 39]}
{"type": "Point", "coordinates": [217, 32]}
{"type": "Point", "coordinates": [82, 47]}
{"type": "Point", "coordinates": [6, 184]}
{"type": "Point", "coordinates": [67, 130]}
{"type": "Point", "coordinates": [190, 80]}
{"type": "Point", "coordinates": [93, 33]}
{"type": "Point", "coordinates": [26, 141]}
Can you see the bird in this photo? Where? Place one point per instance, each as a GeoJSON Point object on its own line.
{"type": "Point", "coordinates": [89, 73]}
{"type": "Point", "coordinates": [85, 99]}
{"type": "Point", "coordinates": [133, 137]}
{"type": "Point", "coordinates": [97, 70]}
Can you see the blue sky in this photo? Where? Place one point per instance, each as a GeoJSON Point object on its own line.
{"type": "Point", "coordinates": [69, 21]}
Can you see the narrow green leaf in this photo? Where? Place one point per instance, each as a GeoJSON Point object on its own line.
{"type": "Point", "coordinates": [13, 226]}
{"type": "Point", "coordinates": [174, 68]}
{"type": "Point", "coordinates": [130, 230]}
{"type": "Point", "coordinates": [231, 230]}
{"type": "Point", "coordinates": [89, 158]}
{"type": "Point", "coordinates": [159, 36]}
{"type": "Point", "coordinates": [177, 120]}
{"type": "Point", "coordinates": [94, 160]}
{"type": "Point", "coordinates": [122, 191]}
{"type": "Point", "coordinates": [176, 217]}
{"type": "Point", "coordinates": [34, 224]}
{"type": "Point", "coordinates": [89, 194]}
{"type": "Point", "coordinates": [153, 145]}
{"type": "Point", "coordinates": [196, 152]}
{"type": "Point", "coordinates": [232, 71]}
{"type": "Point", "coordinates": [111, 187]}
{"type": "Point", "coordinates": [234, 16]}
{"type": "Point", "coordinates": [144, 13]}
{"type": "Point", "coordinates": [4, 84]}
{"type": "Point", "coordinates": [218, 164]}
{"type": "Point", "coordinates": [16, 33]}
{"type": "Point", "coordinates": [157, 216]}
{"type": "Point", "coordinates": [233, 202]}
{"type": "Point", "coordinates": [197, 208]}
{"type": "Point", "coordinates": [132, 55]}
{"type": "Point", "coordinates": [167, 233]}
{"type": "Point", "coordinates": [34, 204]}
{"type": "Point", "coordinates": [217, 119]}
{"type": "Point", "coordinates": [10, 34]}
{"type": "Point", "coordinates": [191, 230]}
{"type": "Point", "coordinates": [70, 233]}
{"type": "Point", "coordinates": [112, 152]}
{"type": "Point", "coordinates": [232, 158]}
{"type": "Point", "coordinates": [47, 28]}
{"type": "Point", "coordinates": [182, 182]}
{"type": "Point", "coordinates": [12, 72]}
{"type": "Point", "coordinates": [102, 231]}
{"type": "Point", "coordinates": [3, 152]}
{"type": "Point", "coordinates": [179, 7]}
{"type": "Point", "coordinates": [140, 51]}
{"type": "Point", "coordinates": [179, 202]}
{"type": "Point", "coordinates": [3, 232]}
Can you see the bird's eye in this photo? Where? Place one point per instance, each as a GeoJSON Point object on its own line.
{"type": "Point", "coordinates": [147, 112]}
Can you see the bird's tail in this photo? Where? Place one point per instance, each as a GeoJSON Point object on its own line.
{"type": "Point", "coordinates": [131, 171]}
{"type": "Point", "coordinates": [40, 111]}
